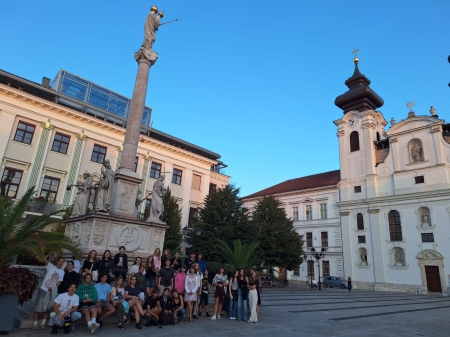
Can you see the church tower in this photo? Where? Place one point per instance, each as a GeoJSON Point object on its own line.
{"type": "Point", "coordinates": [359, 130]}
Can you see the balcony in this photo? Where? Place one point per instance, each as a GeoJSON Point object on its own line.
{"type": "Point", "coordinates": [44, 207]}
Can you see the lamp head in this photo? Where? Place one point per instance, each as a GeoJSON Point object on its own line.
{"type": "Point", "coordinates": [313, 250]}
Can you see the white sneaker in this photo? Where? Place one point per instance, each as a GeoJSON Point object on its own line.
{"type": "Point", "coordinates": [213, 317]}
{"type": "Point", "coordinates": [95, 327]}
{"type": "Point", "coordinates": [218, 317]}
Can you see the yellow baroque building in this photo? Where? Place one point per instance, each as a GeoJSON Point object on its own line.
{"type": "Point", "coordinates": [53, 132]}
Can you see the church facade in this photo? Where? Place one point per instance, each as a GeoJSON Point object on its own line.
{"type": "Point", "coordinates": [394, 194]}
{"type": "Point", "coordinates": [391, 198]}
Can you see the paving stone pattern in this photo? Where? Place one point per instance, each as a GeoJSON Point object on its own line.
{"type": "Point", "coordinates": [304, 312]}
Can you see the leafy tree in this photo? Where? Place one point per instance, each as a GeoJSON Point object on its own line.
{"type": "Point", "coordinates": [239, 256]}
{"type": "Point", "coordinates": [281, 245]}
{"type": "Point", "coordinates": [172, 217]}
{"type": "Point", "coordinates": [222, 217]}
{"type": "Point", "coordinates": [29, 237]}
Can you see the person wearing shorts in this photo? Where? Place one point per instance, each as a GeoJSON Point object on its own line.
{"type": "Point", "coordinates": [53, 278]}
{"type": "Point", "coordinates": [220, 281]}
{"type": "Point", "coordinates": [104, 299]}
{"type": "Point", "coordinates": [204, 295]}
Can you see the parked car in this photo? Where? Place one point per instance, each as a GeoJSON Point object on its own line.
{"type": "Point", "coordinates": [335, 281]}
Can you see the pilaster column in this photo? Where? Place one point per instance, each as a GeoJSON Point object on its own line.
{"type": "Point", "coordinates": [74, 167]}
{"type": "Point", "coordinates": [6, 128]}
{"type": "Point", "coordinates": [347, 244]}
{"type": "Point", "coordinates": [376, 237]}
{"type": "Point", "coordinates": [40, 155]}
{"type": "Point", "coordinates": [187, 184]}
{"type": "Point", "coordinates": [437, 136]}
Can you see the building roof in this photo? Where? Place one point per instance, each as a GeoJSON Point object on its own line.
{"type": "Point", "coordinates": [302, 183]}
{"type": "Point", "coordinates": [49, 94]}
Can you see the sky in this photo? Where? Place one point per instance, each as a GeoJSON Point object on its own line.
{"type": "Point", "coordinates": [254, 81]}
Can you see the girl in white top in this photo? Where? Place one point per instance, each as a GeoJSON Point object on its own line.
{"type": "Point", "coordinates": [134, 269]}
{"type": "Point", "coordinates": [199, 274]}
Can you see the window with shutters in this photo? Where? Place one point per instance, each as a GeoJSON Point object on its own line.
{"type": "Point", "coordinates": [354, 141]}
{"type": "Point", "coordinates": [196, 182]}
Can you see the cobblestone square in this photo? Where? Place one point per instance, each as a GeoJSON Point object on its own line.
{"type": "Point", "coordinates": [299, 311]}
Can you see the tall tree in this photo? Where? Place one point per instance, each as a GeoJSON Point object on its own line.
{"type": "Point", "coordinates": [172, 217]}
{"type": "Point", "coordinates": [222, 217]}
{"type": "Point", "coordinates": [28, 237]}
{"type": "Point", "coordinates": [281, 245]}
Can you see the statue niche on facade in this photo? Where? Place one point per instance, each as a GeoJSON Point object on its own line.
{"type": "Point", "coordinates": [415, 151]}
{"type": "Point", "coordinates": [157, 206]}
{"type": "Point", "coordinates": [81, 202]}
{"type": "Point", "coordinates": [104, 188]}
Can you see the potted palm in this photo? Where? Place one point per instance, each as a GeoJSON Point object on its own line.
{"type": "Point", "coordinates": [29, 237]}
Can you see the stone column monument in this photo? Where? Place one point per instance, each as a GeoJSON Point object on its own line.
{"type": "Point", "coordinates": [113, 225]}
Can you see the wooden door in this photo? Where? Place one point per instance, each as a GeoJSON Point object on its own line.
{"type": "Point", "coordinates": [433, 279]}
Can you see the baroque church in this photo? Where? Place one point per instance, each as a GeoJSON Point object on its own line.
{"type": "Point", "coordinates": [391, 199]}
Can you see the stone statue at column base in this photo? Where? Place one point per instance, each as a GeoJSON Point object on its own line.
{"type": "Point", "coordinates": [157, 206]}
{"type": "Point", "coordinates": [82, 199]}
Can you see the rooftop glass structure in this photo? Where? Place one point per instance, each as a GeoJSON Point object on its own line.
{"type": "Point", "coordinates": [94, 99]}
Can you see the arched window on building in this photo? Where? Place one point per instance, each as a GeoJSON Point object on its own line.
{"type": "Point", "coordinates": [354, 141]}
{"type": "Point", "coordinates": [395, 226]}
{"type": "Point", "coordinates": [378, 136]}
{"type": "Point", "coordinates": [360, 221]}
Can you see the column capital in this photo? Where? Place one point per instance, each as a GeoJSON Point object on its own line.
{"type": "Point", "coordinates": [435, 129]}
{"type": "Point", "coordinates": [393, 140]}
{"type": "Point", "coordinates": [344, 213]}
{"type": "Point", "coordinates": [47, 125]}
{"type": "Point", "coordinates": [147, 56]}
{"type": "Point", "coordinates": [374, 211]}
{"type": "Point", "coordinates": [81, 136]}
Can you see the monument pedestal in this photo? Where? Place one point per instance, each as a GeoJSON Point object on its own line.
{"type": "Point", "coordinates": [101, 231]}
{"type": "Point", "coordinates": [123, 200]}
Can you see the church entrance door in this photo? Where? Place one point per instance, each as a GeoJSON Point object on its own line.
{"type": "Point", "coordinates": [433, 279]}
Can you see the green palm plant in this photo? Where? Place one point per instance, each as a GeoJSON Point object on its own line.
{"type": "Point", "coordinates": [240, 256]}
{"type": "Point", "coordinates": [29, 237]}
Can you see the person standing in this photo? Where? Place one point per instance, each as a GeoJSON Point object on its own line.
{"type": "Point", "coordinates": [90, 265]}
{"type": "Point", "coordinates": [189, 261]}
{"type": "Point", "coordinates": [150, 276]}
{"type": "Point", "coordinates": [234, 297]}
{"type": "Point", "coordinates": [242, 296]}
{"type": "Point", "coordinates": [175, 262]}
{"type": "Point", "coordinates": [49, 287]}
{"type": "Point", "coordinates": [253, 296]}
{"type": "Point", "coordinates": [165, 257]}
{"type": "Point", "coordinates": [121, 263]}
{"type": "Point", "coordinates": [220, 281]}
{"type": "Point", "coordinates": [204, 295]}
{"type": "Point", "coordinates": [201, 262]}
{"type": "Point", "coordinates": [135, 267]}
{"type": "Point", "coordinates": [66, 309]}
{"type": "Point", "coordinates": [191, 287]}
{"type": "Point", "coordinates": [106, 266]}
{"type": "Point", "coordinates": [70, 276]}
{"type": "Point", "coordinates": [199, 274]}
{"type": "Point", "coordinates": [180, 279]}
{"type": "Point", "coordinates": [157, 259]}
{"type": "Point", "coordinates": [349, 283]}
{"type": "Point", "coordinates": [165, 279]}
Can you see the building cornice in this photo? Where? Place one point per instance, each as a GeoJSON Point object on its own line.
{"type": "Point", "coordinates": [94, 122]}
{"type": "Point", "coordinates": [290, 193]}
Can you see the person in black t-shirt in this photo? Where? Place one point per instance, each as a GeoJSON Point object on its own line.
{"type": "Point", "coordinates": [175, 262]}
{"type": "Point", "coordinates": [190, 261]}
{"type": "Point", "coordinates": [153, 307]}
{"type": "Point", "coordinates": [70, 276]}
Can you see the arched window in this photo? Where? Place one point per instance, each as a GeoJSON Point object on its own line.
{"type": "Point", "coordinates": [354, 141]}
{"type": "Point", "coordinates": [378, 136]}
{"type": "Point", "coordinates": [360, 221]}
{"type": "Point", "coordinates": [395, 226]}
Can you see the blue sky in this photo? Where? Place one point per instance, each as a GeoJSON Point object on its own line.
{"type": "Point", "coordinates": [252, 80]}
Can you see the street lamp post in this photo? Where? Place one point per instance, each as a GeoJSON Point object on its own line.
{"type": "Point", "coordinates": [198, 233]}
{"type": "Point", "coordinates": [318, 256]}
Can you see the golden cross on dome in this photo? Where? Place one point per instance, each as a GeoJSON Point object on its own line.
{"type": "Point", "coordinates": [410, 105]}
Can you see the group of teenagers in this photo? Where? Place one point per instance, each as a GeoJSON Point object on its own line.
{"type": "Point", "coordinates": [163, 290]}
